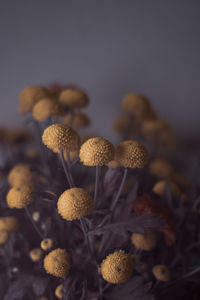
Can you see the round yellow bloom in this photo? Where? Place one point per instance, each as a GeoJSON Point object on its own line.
{"type": "Point", "coordinates": [57, 263]}
{"type": "Point", "coordinates": [4, 235]}
{"type": "Point", "coordinates": [75, 203]}
{"type": "Point", "coordinates": [20, 197]}
{"type": "Point", "coordinates": [58, 291]}
{"type": "Point", "coordinates": [61, 137]}
{"type": "Point", "coordinates": [9, 224]}
{"type": "Point", "coordinates": [160, 186]}
{"type": "Point", "coordinates": [144, 241]}
{"type": "Point", "coordinates": [35, 254]}
{"type": "Point", "coordinates": [79, 120]}
{"type": "Point", "coordinates": [21, 175]}
{"type": "Point", "coordinates": [47, 244]}
{"type": "Point", "coordinates": [161, 168]}
{"type": "Point", "coordinates": [131, 154]}
{"type": "Point", "coordinates": [136, 104]}
{"type": "Point", "coordinates": [153, 130]}
{"type": "Point", "coordinates": [73, 98]}
{"type": "Point", "coordinates": [161, 272]}
{"type": "Point", "coordinates": [117, 267]}
{"type": "Point", "coordinates": [46, 108]}
{"type": "Point", "coordinates": [96, 152]}
{"type": "Point", "coordinates": [29, 96]}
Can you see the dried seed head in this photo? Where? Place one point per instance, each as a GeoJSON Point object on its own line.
{"type": "Point", "coordinates": [161, 168]}
{"type": "Point", "coordinates": [144, 241]}
{"type": "Point", "coordinates": [58, 291]}
{"type": "Point", "coordinates": [35, 254]}
{"type": "Point", "coordinates": [57, 263]}
{"type": "Point", "coordinates": [73, 98]}
{"type": "Point", "coordinates": [61, 137]}
{"type": "Point", "coordinates": [20, 197]}
{"type": "Point", "coordinates": [29, 96]}
{"type": "Point", "coordinates": [117, 267]}
{"type": "Point", "coordinates": [47, 244]}
{"type": "Point", "coordinates": [9, 224]}
{"type": "Point", "coordinates": [160, 186]}
{"type": "Point", "coordinates": [4, 235]}
{"type": "Point", "coordinates": [46, 108]}
{"type": "Point", "coordinates": [21, 175]}
{"type": "Point", "coordinates": [161, 272]}
{"type": "Point", "coordinates": [136, 104]}
{"type": "Point", "coordinates": [96, 152]}
{"type": "Point", "coordinates": [79, 120]}
{"type": "Point", "coordinates": [131, 154]}
{"type": "Point", "coordinates": [74, 204]}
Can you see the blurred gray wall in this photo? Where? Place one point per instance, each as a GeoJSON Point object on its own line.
{"type": "Point", "coordinates": [109, 47]}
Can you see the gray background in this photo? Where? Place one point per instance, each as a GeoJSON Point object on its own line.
{"type": "Point", "coordinates": [110, 48]}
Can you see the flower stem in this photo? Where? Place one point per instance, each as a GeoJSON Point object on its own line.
{"type": "Point", "coordinates": [97, 176]}
{"type": "Point", "coordinates": [66, 170]}
{"type": "Point", "coordinates": [120, 189]}
{"type": "Point", "coordinates": [33, 223]}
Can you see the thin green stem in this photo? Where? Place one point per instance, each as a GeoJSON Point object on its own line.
{"type": "Point", "coordinates": [120, 189]}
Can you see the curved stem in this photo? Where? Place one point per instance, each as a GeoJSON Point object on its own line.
{"type": "Point", "coordinates": [34, 225]}
{"type": "Point", "coordinates": [66, 169]}
{"type": "Point", "coordinates": [84, 229]}
{"type": "Point", "coordinates": [120, 189]}
{"type": "Point", "coordinates": [97, 176]}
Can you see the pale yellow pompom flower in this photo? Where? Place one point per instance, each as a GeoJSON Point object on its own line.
{"type": "Point", "coordinates": [74, 204]}
{"type": "Point", "coordinates": [57, 263]}
{"type": "Point", "coordinates": [59, 137]}
{"type": "Point", "coordinates": [29, 96]}
{"type": "Point", "coordinates": [131, 154]}
{"type": "Point", "coordinates": [96, 152]}
{"type": "Point", "coordinates": [117, 267]}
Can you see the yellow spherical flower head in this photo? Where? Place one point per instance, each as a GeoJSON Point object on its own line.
{"type": "Point", "coordinates": [144, 241]}
{"type": "Point", "coordinates": [35, 254]}
{"type": "Point", "coordinates": [20, 197]}
{"type": "Point", "coordinates": [57, 263]}
{"type": "Point", "coordinates": [47, 244]}
{"type": "Point", "coordinates": [96, 152]}
{"type": "Point", "coordinates": [4, 235]}
{"type": "Point", "coordinates": [21, 175]}
{"type": "Point", "coordinates": [161, 168]}
{"type": "Point", "coordinates": [79, 120]}
{"type": "Point", "coordinates": [160, 187]}
{"type": "Point", "coordinates": [59, 137]}
{"type": "Point", "coordinates": [117, 267]}
{"type": "Point", "coordinates": [46, 108]}
{"type": "Point", "coordinates": [9, 224]}
{"type": "Point", "coordinates": [58, 291]}
{"type": "Point", "coordinates": [73, 98]}
{"type": "Point", "coordinates": [74, 204]}
{"type": "Point", "coordinates": [29, 96]}
{"type": "Point", "coordinates": [152, 130]}
{"type": "Point", "coordinates": [131, 154]}
{"type": "Point", "coordinates": [136, 104]}
{"type": "Point", "coordinates": [161, 272]}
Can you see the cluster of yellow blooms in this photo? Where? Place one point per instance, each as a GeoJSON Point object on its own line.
{"type": "Point", "coordinates": [76, 203]}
